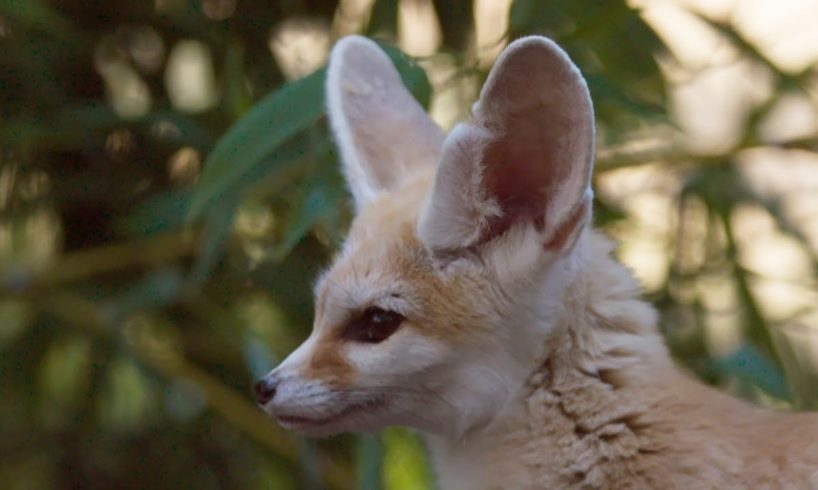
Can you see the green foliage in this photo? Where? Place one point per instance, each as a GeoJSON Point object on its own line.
{"type": "Point", "coordinates": [142, 295]}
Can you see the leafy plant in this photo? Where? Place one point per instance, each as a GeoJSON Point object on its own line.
{"type": "Point", "coordinates": [155, 259]}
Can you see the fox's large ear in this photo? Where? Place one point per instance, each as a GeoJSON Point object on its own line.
{"type": "Point", "coordinates": [379, 127]}
{"type": "Point", "coordinates": [524, 159]}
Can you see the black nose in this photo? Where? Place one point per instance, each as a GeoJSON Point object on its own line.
{"type": "Point", "coordinates": [265, 391]}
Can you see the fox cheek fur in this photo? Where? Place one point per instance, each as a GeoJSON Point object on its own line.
{"type": "Point", "coordinates": [473, 301]}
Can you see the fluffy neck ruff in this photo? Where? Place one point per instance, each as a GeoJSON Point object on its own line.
{"type": "Point", "coordinates": [602, 347]}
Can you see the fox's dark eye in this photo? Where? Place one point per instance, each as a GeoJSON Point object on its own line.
{"type": "Point", "coordinates": [373, 326]}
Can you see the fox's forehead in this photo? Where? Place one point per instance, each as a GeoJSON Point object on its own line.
{"type": "Point", "coordinates": [382, 253]}
{"type": "Point", "coordinates": [394, 215]}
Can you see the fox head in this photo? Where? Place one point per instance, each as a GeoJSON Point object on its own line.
{"type": "Point", "coordinates": [440, 302]}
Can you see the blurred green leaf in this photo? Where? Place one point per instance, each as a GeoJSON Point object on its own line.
{"type": "Point", "coordinates": [370, 462]}
{"type": "Point", "coordinates": [606, 92]}
{"type": "Point", "coordinates": [756, 326]}
{"type": "Point", "coordinates": [156, 290]}
{"type": "Point", "coordinates": [529, 15]}
{"type": "Point", "coordinates": [162, 213]}
{"type": "Point", "coordinates": [237, 97]}
{"type": "Point", "coordinates": [259, 358]}
{"type": "Point", "coordinates": [310, 468]}
{"type": "Point", "coordinates": [318, 197]}
{"type": "Point", "coordinates": [275, 119]}
{"type": "Point", "coordinates": [794, 343]}
{"type": "Point", "coordinates": [217, 228]}
{"type": "Point", "coordinates": [754, 368]}
{"type": "Point", "coordinates": [406, 466]}
{"type": "Point", "coordinates": [722, 188]}
{"type": "Point", "coordinates": [383, 21]}
{"type": "Point", "coordinates": [457, 35]}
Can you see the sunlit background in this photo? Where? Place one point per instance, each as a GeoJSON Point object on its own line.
{"type": "Point", "coordinates": [168, 190]}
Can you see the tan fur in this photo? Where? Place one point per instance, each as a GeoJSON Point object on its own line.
{"type": "Point", "coordinates": [607, 409]}
{"type": "Point", "coordinates": [393, 218]}
{"type": "Point", "coordinates": [327, 363]}
{"type": "Point", "coordinates": [387, 228]}
{"type": "Point", "coordinates": [526, 355]}
{"type": "Point", "coordinates": [641, 425]}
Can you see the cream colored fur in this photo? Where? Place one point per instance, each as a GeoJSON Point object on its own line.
{"type": "Point", "coordinates": [526, 356]}
{"type": "Point", "coordinates": [608, 410]}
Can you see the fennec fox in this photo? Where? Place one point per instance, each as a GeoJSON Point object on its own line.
{"type": "Point", "coordinates": [473, 301]}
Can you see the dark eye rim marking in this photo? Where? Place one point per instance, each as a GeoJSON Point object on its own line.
{"type": "Point", "coordinates": [373, 326]}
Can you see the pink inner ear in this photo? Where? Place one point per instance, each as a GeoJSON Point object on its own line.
{"type": "Point", "coordinates": [537, 110]}
{"type": "Point", "coordinates": [522, 175]}
{"type": "Point", "coordinates": [525, 158]}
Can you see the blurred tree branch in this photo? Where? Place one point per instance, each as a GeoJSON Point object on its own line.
{"type": "Point", "coordinates": [106, 259]}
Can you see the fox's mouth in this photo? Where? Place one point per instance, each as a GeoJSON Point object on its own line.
{"type": "Point", "coordinates": [305, 422]}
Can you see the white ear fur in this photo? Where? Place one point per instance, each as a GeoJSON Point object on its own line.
{"type": "Point", "coordinates": [524, 159]}
{"type": "Point", "coordinates": [380, 128]}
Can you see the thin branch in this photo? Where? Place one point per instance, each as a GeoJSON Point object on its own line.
{"type": "Point", "coordinates": [85, 264]}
